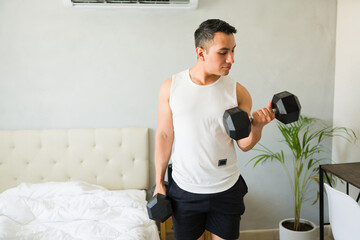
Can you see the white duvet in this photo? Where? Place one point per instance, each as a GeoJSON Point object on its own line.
{"type": "Point", "coordinates": [74, 210]}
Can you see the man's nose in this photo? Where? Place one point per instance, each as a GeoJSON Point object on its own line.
{"type": "Point", "coordinates": [230, 58]}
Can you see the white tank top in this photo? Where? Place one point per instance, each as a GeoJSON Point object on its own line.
{"type": "Point", "coordinates": [203, 157]}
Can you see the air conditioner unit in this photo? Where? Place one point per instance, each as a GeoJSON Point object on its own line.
{"type": "Point", "coordinates": [185, 4]}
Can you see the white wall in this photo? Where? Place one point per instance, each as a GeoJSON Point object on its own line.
{"type": "Point", "coordinates": [77, 68]}
{"type": "Point", "coordinates": [347, 79]}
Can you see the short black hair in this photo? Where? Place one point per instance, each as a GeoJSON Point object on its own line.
{"type": "Point", "coordinates": [206, 30]}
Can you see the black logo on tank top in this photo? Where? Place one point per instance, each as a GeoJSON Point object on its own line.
{"type": "Point", "coordinates": [222, 162]}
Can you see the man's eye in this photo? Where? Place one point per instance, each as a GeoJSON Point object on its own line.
{"type": "Point", "coordinates": [222, 53]}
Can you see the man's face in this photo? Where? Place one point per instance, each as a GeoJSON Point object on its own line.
{"type": "Point", "coordinates": [219, 55]}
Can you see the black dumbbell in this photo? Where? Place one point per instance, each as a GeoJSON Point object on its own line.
{"type": "Point", "coordinates": [159, 207]}
{"type": "Point", "coordinates": [286, 107]}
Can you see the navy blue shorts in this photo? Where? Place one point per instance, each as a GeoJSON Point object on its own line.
{"type": "Point", "coordinates": [219, 213]}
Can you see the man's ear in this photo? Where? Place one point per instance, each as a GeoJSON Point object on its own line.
{"type": "Point", "coordinates": [200, 53]}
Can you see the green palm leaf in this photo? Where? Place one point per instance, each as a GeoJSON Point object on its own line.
{"type": "Point", "coordinates": [305, 140]}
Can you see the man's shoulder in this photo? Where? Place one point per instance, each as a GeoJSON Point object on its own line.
{"type": "Point", "coordinates": [242, 94]}
{"type": "Point", "coordinates": [175, 78]}
{"type": "Point", "coordinates": [240, 87]}
{"type": "Point", "coordinates": [166, 84]}
{"type": "Point", "coordinates": [228, 79]}
{"type": "Point", "coordinates": [181, 74]}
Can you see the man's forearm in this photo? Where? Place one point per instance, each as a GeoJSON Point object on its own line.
{"type": "Point", "coordinates": [248, 143]}
{"type": "Point", "coordinates": [163, 145]}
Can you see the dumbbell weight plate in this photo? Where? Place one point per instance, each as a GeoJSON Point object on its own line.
{"type": "Point", "coordinates": [237, 123]}
{"type": "Point", "coordinates": [159, 208]}
{"type": "Point", "coordinates": [288, 107]}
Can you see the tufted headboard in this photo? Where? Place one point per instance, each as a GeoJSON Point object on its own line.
{"type": "Point", "coordinates": [113, 158]}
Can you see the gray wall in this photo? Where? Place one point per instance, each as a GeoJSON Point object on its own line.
{"type": "Point", "coordinates": [82, 68]}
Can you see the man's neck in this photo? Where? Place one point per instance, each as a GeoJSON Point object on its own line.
{"type": "Point", "coordinates": [199, 76]}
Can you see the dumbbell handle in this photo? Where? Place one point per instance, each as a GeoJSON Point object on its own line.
{"type": "Point", "coordinates": [274, 110]}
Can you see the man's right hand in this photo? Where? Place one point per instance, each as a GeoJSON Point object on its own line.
{"type": "Point", "coordinates": [160, 188]}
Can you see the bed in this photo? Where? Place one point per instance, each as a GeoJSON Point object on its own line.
{"type": "Point", "coordinates": [75, 184]}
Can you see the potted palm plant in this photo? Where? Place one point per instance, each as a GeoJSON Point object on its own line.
{"type": "Point", "coordinates": [305, 140]}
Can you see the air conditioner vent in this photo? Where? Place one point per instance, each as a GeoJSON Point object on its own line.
{"type": "Point", "coordinates": [190, 4]}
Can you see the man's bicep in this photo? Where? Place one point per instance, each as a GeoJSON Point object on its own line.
{"type": "Point", "coordinates": [165, 123]}
{"type": "Point", "coordinates": [244, 98]}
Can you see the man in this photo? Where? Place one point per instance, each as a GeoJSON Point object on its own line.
{"type": "Point", "coordinates": [207, 189]}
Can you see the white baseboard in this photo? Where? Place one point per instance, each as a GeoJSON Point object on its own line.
{"type": "Point", "coordinates": [273, 234]}
{"type": "Point", "coordinates": [267, 234]}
